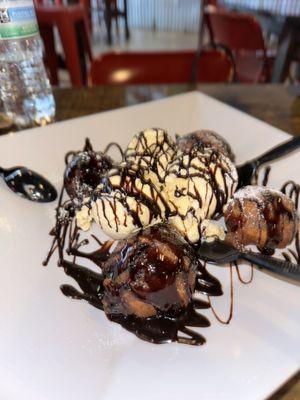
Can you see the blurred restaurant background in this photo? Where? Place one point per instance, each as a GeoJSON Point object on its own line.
{"type": "Point", "coordinates": [113, 42]}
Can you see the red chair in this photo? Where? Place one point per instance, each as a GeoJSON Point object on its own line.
{"type": "Point", "coordinates": [73, 27]}
{"type": "Point", "coordinates": [210, 3]}
{"type": "Point", "coordinates": [160, 67]}
{"type": "Point", "coordinates": [241, 34]}
{"type": "Point", "coordinates": [112, 11]}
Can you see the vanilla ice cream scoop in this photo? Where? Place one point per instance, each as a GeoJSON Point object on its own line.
{"type": "Point", "coordinates": [131, 197]}
{"type": "Point", "coordinates": [198, 185]}
{"type": "Point", "coordinates": [127, 199]}
{"type": "Point", "coordinates": [152, 148]}
{"type": "Point", "coordinates": [159, 182]}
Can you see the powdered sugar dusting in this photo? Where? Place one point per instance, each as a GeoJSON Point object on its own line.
{"type": "Point", "coordinates": [255, 193]}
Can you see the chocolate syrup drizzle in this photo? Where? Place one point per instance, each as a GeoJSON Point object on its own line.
{"type": "Point", "coordinates": [138, 162]}
{"type": "Point", "coordinates": [207, 173]}
{"type": "Point", "coordinates": [127, 188]}
{"type": "Point", "coordinates": [151, 157]}
{"type": "Point", "coordinates": [292, 190]}
{"type": "Point", "coordinates": [158, 329]}
{"type": "Point", "coordinates": [242, 280]}
{"type": "Point", "coordinates": [208, 157]}
{"type": "Point", "coordinates": [228, 319]}
{"type": "Point", "coordinates": [143, 158]}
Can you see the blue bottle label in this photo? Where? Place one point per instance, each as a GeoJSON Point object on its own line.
{"type": "Point", "coordinates": [17, 20]}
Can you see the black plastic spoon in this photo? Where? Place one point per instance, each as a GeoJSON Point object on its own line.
{"type": "Point", "coordinates": [218, 252]}
{"type": "Point", "coordinates": [247, 170]}
{"type": "Point", "coordinates": [29, 184]}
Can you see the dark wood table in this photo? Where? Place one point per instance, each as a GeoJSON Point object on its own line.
{"type": "Point", "coordinates": [277, 105]}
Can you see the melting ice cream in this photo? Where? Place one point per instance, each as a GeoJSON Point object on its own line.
{"type": "Point", "coordinates": [159, 180]}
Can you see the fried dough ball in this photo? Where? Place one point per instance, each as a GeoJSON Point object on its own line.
{"type": "Point", "coordinates": [84, 172]}
{"type": "Point", "coordinates": [260, 216]}
{"type": "Point", "coordinates": [205, 138]}
{"type": "Point", "coordinates": [152, 273]}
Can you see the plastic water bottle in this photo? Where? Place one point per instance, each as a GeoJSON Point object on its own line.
{"type": "Point", "coordinates": [25, 90]}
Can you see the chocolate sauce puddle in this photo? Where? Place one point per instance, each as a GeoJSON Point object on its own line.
{"type": "Point", "coordinates": [162, 329]}
{"type": "Point", "coordinates": [158, 329]}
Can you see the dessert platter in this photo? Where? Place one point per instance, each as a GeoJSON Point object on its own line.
{"type": "Point", "coordinates": [158, 205]}
{"type": "Point", "coordinates": [149, 197]}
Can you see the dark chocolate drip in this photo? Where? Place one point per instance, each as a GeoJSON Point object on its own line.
{"type": "Point", "coordinates": [154, 330]}
{"type": "Point", "coordinates": [52, 249]}
{"type": "Point", "coordinates": [70, 291]}
{"type": "Point", "coordinates": [226, 321]}
{"type": "Point", "coordinates": [200, 304]}
{"type": "Point", "coordinates": [286, 256]}
{"type": "Point", "coordinates": [89, 281]}
{"type": "Point", "coordinates": [163, 329]}
{"type": "Point", "coordinates": [206, 283]}
{"type": "Point", "coordinates": [292, 190]}
{"type": "Point", "coordinates": [266, 176]}
{"type": "Point", "coordinates": [73, 293]}
{"type": "Point", "coordinates": [272, 217]}
{"type": "Point", "coordinates": [127, 188]}
{"type": "Point", "coordinates": [88, 145]}
{"type": "Point", "coordinates": [72, 153]}
{"type": "Point", "coordinates": [243, 281]}
{"type": "Point", "coordinates": [114, 144]}
{"type": "Point", "coordinates": [254, 180]}
{"type": "Point", "coordinates": [98, 256]}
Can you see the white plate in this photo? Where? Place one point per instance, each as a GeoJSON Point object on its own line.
{"type": "Point", "coordinates": [52, 347]}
